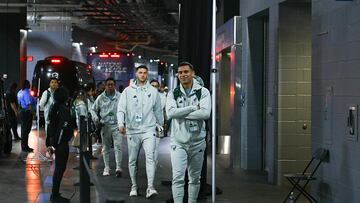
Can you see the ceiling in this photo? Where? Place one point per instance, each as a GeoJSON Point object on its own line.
{"type": "Point", "coordinates": [121, 23]}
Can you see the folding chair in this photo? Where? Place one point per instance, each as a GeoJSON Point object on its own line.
{"type": "Point", "coordinates": [300, 181]}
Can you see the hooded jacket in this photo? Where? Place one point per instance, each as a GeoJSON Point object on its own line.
{"type": "Point", "coordinates": [188, 113]}
{"type": "Point", "coordinates": [60, 127]}
{"type": "Point", "coordinates": [47, 99]}
{"type": "Point", "coordinates": [140, 109]}
{"type": "Point", "coordinates": [106, 107]}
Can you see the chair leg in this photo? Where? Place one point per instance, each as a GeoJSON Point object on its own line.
{"type": "Point", "coordinates": [292, 190]}
{"type": "Point", "coordinates": [302, 191]}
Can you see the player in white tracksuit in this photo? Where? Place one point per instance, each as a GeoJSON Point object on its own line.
{"type": "Point", "coordinates": [106, 105]}
{"type": "Point", "coordinates": [47, 100]}
{"type": "Point", "coordinates": [187, 106]}
{"type": "Point", "coordinates": [139, 113]}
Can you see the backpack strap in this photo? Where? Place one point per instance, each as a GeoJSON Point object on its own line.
{"type": "Point", "coordinates": [48, 95]}
{"type": "Point", "coordinates": [177, 93]}
{"type": "Point", "coordinates": [198, 94]}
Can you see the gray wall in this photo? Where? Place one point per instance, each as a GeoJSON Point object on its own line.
{"type": "Point", "coordinates": [335, 84]}
{"type": "Point", "coordinates": [249, 8]}
{"type": "Point", "coordinates": [294, 88]}
{"type": "Point", "coordinates": [286, 106]}
{"type": "Point", "coordinates": [10, 46]}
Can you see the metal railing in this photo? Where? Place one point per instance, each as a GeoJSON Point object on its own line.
{"type": "Point", "coordinates": [88, 176]}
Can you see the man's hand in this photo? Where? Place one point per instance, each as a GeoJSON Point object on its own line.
{"type": "Point", "coordinates": [122, 130]}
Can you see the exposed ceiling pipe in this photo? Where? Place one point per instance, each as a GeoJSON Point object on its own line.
{"type": "Point", "coordinates": [56, 18]}
{"type": "Point", "coordinates": [40, 5]}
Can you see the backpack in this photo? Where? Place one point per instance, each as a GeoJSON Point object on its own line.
{"type": "Point", "coordinates": [61, 126]}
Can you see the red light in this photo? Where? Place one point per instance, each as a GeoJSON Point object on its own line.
{"type": "Point", "coordinates": [115, 55]}
{"type": "Point", "coordinates": [104, 56]}
{"type": "Point", "coordinates": [55, 61]}
{"type": "Point", "coordinates": [218, 58]}
{"type": "Point", "coordinates": [90, 54]}
{"type": "Point", "coordinates": [88, 66]}
{"type": "Point", "coordinates": [128, 54]}
{"type": "Point", "coordinates": [32, 93]}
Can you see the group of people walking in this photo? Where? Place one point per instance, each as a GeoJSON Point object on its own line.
{"type": "Point", "coordinates": [137, 115]}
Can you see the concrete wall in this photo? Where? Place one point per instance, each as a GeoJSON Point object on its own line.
{"type": "Point", "coordinates": [283, 97]}
{"type": "Point", "coordinates": [294, 88]}
{"type": "Point", "coordinates": [10, 46]}
{"type": "Point", "coordinates": [335, 85]}
{"type": "Point", "coordinates": [249, 8]}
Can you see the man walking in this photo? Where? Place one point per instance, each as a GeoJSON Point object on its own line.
{"type": "Point", "coordinates": [139, 113]}
{"type": "Point", "coordinates": [47, 100]}
{"type": "Point", "coordinates": [188, 106]}
{"type": "Point", "coordinates": [106, 104]}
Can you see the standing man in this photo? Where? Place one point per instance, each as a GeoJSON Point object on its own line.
{"type": "Point", "coordinates": [47, 100]}
{"type": "Point", "coordinates": [106, 104]}
{"type": "Point", "coordinates": [12, 107]}
{"type": "Point", "coordinates": [188, 106]}
{"type": "Point", "coordinates": [26, 115]}
{"type": "Point", "coordinates": [139, 113]}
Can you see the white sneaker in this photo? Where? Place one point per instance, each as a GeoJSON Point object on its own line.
{"type": "Point", "coordinates": [151, 192]}
{"type": "Point", "coordinates": [133, 192]}
{"type": "Point", "coordinates": [106, 171]}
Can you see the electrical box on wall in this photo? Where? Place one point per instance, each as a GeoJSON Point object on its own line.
{"type": "Point", "coordinates": [352, 122]}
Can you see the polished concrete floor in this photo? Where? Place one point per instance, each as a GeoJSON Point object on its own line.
{"type": "Point", "coordinates": [26, 178]}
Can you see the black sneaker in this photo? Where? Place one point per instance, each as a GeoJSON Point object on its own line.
{"type": "Point", "coordinates": [118, 173]}
{"type": "Point", "coordinates": [58, 199]}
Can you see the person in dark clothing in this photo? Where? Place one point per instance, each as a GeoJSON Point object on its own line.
{"type": "Point", "coordinates": [12, 106]}
{"type": "Point", "coordinates": [25, 101]}
{"type": "Point", "coordinates": [60, 131]}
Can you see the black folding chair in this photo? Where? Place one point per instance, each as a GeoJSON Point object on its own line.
{"type": "Point", "coordinates": [301, 180]}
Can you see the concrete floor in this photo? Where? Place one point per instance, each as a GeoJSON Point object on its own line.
{"type": "Point", "coordinates": [25, 179]}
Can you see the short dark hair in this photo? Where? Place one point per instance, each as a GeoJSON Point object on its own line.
{"type": "Point", "coordinates": [53, 78]}
{"type": "Point", "coordinates": [185, 63]}
{"type": "Point", "coordinates": [141, 66]}
{"type": "Point", "coordinates": [90, 86]}
{"type": "Point", "coordinates": [110, 79]}
{"type": "Point", "coordinates": [26, 85]}
{"type": "Point", "coordinates": [154, 80]}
